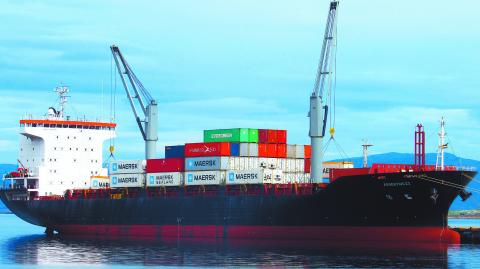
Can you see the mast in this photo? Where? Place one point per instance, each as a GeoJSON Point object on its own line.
{"type": "Point", "coordinates": [440, 164]}
{"type": "Point", "coordinates": [318, 108]}
{"type": "Point", "coordinates": [63, 99]}
{"type": "Point", "coordinates": [365, 152]}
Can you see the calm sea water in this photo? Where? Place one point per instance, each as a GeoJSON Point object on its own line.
{"type": "Point", "coordinates": [24, 246]}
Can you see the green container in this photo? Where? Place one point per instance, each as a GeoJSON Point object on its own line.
{"type": "Point", "coordinates": [227, 135]}
{"type": "Point", "coordinates": [253, 135]}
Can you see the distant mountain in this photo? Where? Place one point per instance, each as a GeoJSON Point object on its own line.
{"type": "Point", "coordinates": [430, 158]}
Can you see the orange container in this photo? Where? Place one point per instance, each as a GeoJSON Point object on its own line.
{"type": "Point", "coordinates": [262, 150]}
{"type": "Point", "coordinates": [281, 151]}
{"type": "Point", "coordinates": [308, 151]}
{"type": "Point", "coordinates": [282, 136]}
{"type": "Point", "coordinates": [272, 150]}
{"type": "Point", "coordinates": [272, 136]}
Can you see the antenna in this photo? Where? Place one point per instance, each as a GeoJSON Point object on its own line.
{"type": "Point", "coordinates": [365, 152]}
{"type": "Point", "coordinates": [63, 99]}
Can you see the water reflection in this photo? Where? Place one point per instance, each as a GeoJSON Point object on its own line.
{"type": "Point", "coordinates": [61, 250]}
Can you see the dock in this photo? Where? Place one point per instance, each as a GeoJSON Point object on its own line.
{"type": "Point", "coordinates": [469, 235]}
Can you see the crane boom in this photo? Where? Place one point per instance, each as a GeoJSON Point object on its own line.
{"type": "Point", "coordinates": [144, 102]}
{"type": "Point", "coordinates": [318, 111]}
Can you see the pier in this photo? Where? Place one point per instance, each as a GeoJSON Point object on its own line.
{"type": "Point", "coordinates": [469, 235]}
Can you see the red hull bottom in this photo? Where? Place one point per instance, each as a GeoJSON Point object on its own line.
{"type": "Point", "coordinates": [321, 233]}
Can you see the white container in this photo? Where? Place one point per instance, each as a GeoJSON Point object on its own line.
{"type": "Point", "coordinates": [126, 167]}
{"type": "Point", "coordinates": [204, 178]}
{"type": "Point", "coordinates": [99, 182]}
{"type": "Point", "coordinates": [253, 163]}
{"type": "Point", "coordinates": [273, 176]}
{"type": "Point", "coordinates": [234, 163]}
{"type": "Point", "coordinates": [164, 179]}
{"type": "Point", "coordinates": [272, 163]}
{"type": "Point", "coordinates": [277, 177]}
{"type": "Point", "coordinates": [263, 162]}
{"type": "Point", "coordinates": [127, 180]}
{"type": "Point", "coordinates": [248, 149]}
{"type": "Point", "coordinates": [208, 163]}
{"type": "Point", "coordinates": [296, 151]}
{"type": "Point", "coordinates": [244, 177]}
{"type": "Point", "coordinates": [291, 166]}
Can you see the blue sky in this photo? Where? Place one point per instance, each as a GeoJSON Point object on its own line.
{"type": "Point", "coordinates": [220, 64]}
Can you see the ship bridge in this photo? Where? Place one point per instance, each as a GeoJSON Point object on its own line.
{"type": "Point", "coordinates": [57, 154]}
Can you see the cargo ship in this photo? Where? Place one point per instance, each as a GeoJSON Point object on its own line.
{"type": "Point", "coordinates": [238, 183]}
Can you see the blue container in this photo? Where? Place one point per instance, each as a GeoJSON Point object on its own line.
{"type": "Point", "coordinates": [175, 151]}
{"type": "Point", "coordinates": [234, 149]}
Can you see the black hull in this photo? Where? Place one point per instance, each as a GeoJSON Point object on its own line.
{"type": "Point", "coordinates": [382, 200]}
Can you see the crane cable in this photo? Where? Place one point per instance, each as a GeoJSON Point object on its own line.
{"type": "Point", "coordinates": [113, 91]}
{"type": "Point", "coordinates": [331, 96]}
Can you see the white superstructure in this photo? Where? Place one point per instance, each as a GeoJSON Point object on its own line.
{"type": "Point", "coordinates": [61, 154]}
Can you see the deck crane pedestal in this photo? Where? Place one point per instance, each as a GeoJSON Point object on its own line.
{"type": "Point", "coordinates": [144, 102]}
{"type": "Point", "coordinates": [318, 108]}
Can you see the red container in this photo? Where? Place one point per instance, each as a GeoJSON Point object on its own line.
{"type": "Point", "coordinates": [262, 136]}
{"type": "Point", "coordinates": [262, 150]}
{"type": "Point", "coordinates": [282, 136]}
{"type": "Point", "coordinates": [272, 150]}
{"type": "Point", "coordinates": [308, 164]}
{"type": "Point", "coordinates": [207, 149]}
{"type": "Point", "coordinates": [281, 151]}
{"type": "Point", "coordinates": [308, 151]}
{"type": "Point", "coordinates": [165, 165]}
{"type": "Point", "coordinates": [272, 136]}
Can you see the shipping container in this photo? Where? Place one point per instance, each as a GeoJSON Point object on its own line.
{"type": "Point", "coordinates": [164, 179]}
{"type": "Point", "coordinates": [208, 163]}
{"type": "Point", "coordinates": [175, 151]}
{"type": "Point", "coordinates": [165, 165]}
{"type": "Point", "coordinates": [99, 182]}
{"type": "Point", "coordinates": [234, 149]}
{"type": "Point", "coordinates": [273, 176]}
{"type": "Point", "coordinates": [297, 177]}
{"type": "Point", "coordinates": [207, 149]}
{"type": "Point", "coordinates": [308, 151]}
{"type": "Point", "coordinates": [308, 164]}
{"type": "Point", "coordinates": [253, 163]}
{"type": "Point", "coordinates": [127, 180]}
{"type": "Point", "coordinates": [205, 178]}
{"type": "Point", "coordinates": [281, 151]}
{"type": "Point", "coordinates": [294, 165]}
{"type": "Point", "coordinates": [262, 150]}
{"type": "Point", "coordinates": [282, 136]}
{"type": "Point", "coordinates": [126, 167]}
{"type": "Point", "coordinates": [227, 135]}
{"type": "Point", "coordinates": [244, 177]}
{"type": "Point", "coordinates": [272, 136]}
{"type": "Point", "coordinates": [272, 150]}
{"type": "Point", "coordinates": [327, 166]}
{"type": "Point", "coordinates": [253, 135]}
{"type": "Point", "coordinates": [248, 149]}
{"type": "Point", "coordinates": [295, 151]}
{"type": "Point", "coordinates": [262, 136]}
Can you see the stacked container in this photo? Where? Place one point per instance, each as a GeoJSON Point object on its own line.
{"type": "Point", "coordinates": [127, 173]}
{"type": "Point", "coordinates": [165, 172]}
